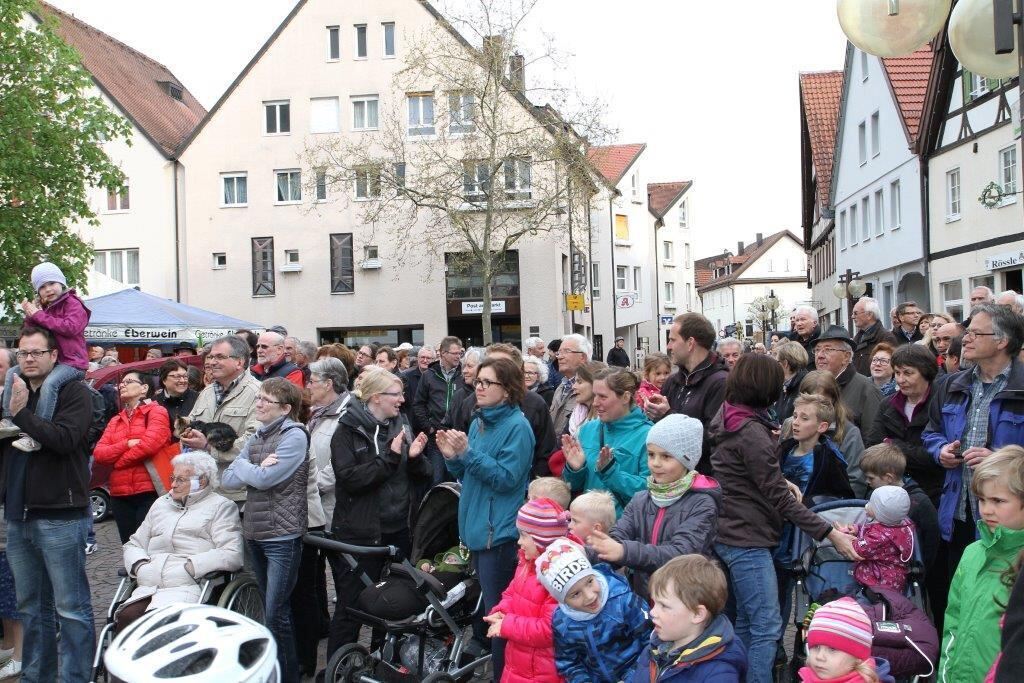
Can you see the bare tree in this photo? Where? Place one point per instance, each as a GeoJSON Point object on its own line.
{"type": "Point", "coordinates": [462, 166]}
{"type": "Point", "coordinates": [764, 316]}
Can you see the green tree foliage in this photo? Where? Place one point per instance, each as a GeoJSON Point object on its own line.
{"type": "Point", "coordinates": [51, 151]}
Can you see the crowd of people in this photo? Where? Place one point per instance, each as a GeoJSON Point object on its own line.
{"type": "Point", "coordinates": [623, 525]}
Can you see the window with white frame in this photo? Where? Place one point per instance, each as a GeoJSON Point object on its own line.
{"type": "Point", "coordinates": [689, 295]}
{"type": "Point", "coordinates": [979, 85]}
{"type": "Point", "coordinates": [371, 252]}
{"type": "Point", "coordinates": [518, 178]}
{"type": "Point", "coordinates": [953, 298]}
{"type": "Point", "coordinates": [687, 260]}
{"type": "Point", "coordinates": [476, 179]}
{"type": "Point", "coordinates": [121, 265]}
{"type": "Point", "coordinates": [875, 134]}
{"type": "Point", "coordinates": [862, 142]}
{"type": "Point", "coordinates": [360, 41]}
{"type": "Point", "coordinates": [865, 217]}
{"type": "Point", "coordinates": [984, 281]}
{"type": "Point", "coordinates": [879, 213]}
{"type": "Point", "coordinates": [220, 260]}
{"type": "Point", "coordinates": [321, 185]}
{"type": "Point", "coordinates": [670, 292]}
{"type": "Point", "coordinates": [342, 264]}
{"type": "Point", "coordinates": [236, 189]}
{"type": "Point", "coordinates": [1008, 174]}
{"type": "Point", "coordinates": [388, 28]}
{"type": "Point", "coordinates": [119, 199]}
{"type": "Point", "coordinates": [621, 278]}
{"type": "Point", "coordinates": [365, 112]}
{"type": "Point", "coordinates": [863, 65]}
{"type": "Point", "coordinates": [853, 224]}
{"type": "Point", "coordinates": [638, 282]}
{"type": "Point", "coordinates": [277, 117]}
{"type": "Point", "coordinates": [289, 186]}
{"type": "Point", "coordinates": [333, 43]}
{"type": "Point", "coordinates": [842, 230]}
{"type": "Point", "coordinates": [399, 171]}
{"type": "Point", "coordinates": [666, 250]}
{"type": "Point", "coordinates": [421, 113]}
{"type": "Point", "coordinates": [595, 280]}
{"type": "Point", "coordinates": [953, 195]}
{"type": "Point", "coordinates": [895, 206]}
{"type": "Point", "coordinates": [291, 257]}
{"type": "Point", "coordinates": [323, 115]}
{"type": "Point", "coordinates": [367, 183]}
{"type": "Point", "coordinates": [461, 112]}
{"type": "Point", "coordinates": [263, 283]}
{"type": "Point", "coordinates": [684, 215]}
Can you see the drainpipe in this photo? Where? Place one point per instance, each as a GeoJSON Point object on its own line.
{"type": "Point", "coordinates": [572, 248]}
{"type": "Point", "coordinates": [927, 229]}
{"type": "Point", "coordinates": [657, 281]}
{"type": "Point", "coordinates": [615, 305]}
{"type": "Point", "coordinates": [177, 238]}
{"type": "Point", "coordinates": [590, 269]}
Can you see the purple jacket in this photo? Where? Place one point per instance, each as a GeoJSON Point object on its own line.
{"type": "Point", "coordinates": [905, 659]}
{"type": "Point", "coordinates": [66, 318]}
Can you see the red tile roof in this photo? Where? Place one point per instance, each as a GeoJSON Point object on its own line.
{"type": "Point", "coordinates": [132, 81]}
{"type": "Point", "coordinates": [614, 160]}
{"type": "Point", "coordinates": [662, 196]}
{"type": "Point", "coordinates": [820, 94]}
{"type": "Point", "coordinates": [751, 252]}
{"type": "Point", "coordinates": [909, 78]}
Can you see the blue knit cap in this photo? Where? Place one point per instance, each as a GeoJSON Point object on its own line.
{"type": "Point", "coordinates": [47, 272]}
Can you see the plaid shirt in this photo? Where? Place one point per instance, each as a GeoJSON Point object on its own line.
{"type": "Point", "coordinates": [976, 432]}
{"type": "Point", "coordinates": [220, 392]}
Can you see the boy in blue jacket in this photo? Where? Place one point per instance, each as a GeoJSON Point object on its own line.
{"type": "Point", "coordinates": [600, 625]}
{"type": "Point", "coordinates": [692, 639]}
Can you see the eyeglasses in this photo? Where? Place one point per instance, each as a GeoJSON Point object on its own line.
{"type": "Point", "coordinates": [486, 383]}
{"type": "Point", "coordinates": [219, 357]}
{"type": "Point", "coordinates": [267, 346]}
{"type": "Point", "coordinates": [531, 373]}
{"type": "Point", "coordinates": [561, 352]}
{"type": "Point", "coordinates": [178, 376]}
{"type": "Point", "coordinates": [458, 352]}
{"type": "Point", "coordinates": [827, 350]}
{"type": "Point", "coordinates": [363, 354]}
{"type": "Point", "coordinates": [391, 393]}
{"type": "Point", "coordinates": [916, 313]}
{"type": "Point", "coordinates": [182, 480]}
{"type": "Point", "coordinates": [879, 361]}
{"type": "Point", "coordinates": [35, 355]}
{"type": "Point", "coordinates": [975, 333]}
{"type": "Point", "coordinates": [126, 382]}
{"type": "Point", "coordinates": [264, 399]}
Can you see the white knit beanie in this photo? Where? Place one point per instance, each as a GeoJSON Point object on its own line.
{"type": "Point", "coordinates": [890, 504]}
{"type": "Point", "coordinates": [561, 566]}
{"type": "Point", "coordinates": [46, 272]}
{"type": "Point", "coordinates": [682, 436]}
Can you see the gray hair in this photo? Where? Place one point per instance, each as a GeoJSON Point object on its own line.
{"type": "Point", "coordinates": [809, 310]}
{"type": "Point", "coordinates": [1005, 324]}
{"type": "Point", "coordinates": [582, 342]}
{"type": "Point", "coordinates": [988, 292]}
{"type": "Point", "coordinates": [532, 342]}
{"type": "Point", "coordinates": [730, 341]}
{"type": "Point", "coordinates": [539, 365]}
{"type": "Point", "coordinates": [333, 369]}
{"type": "Point", "coordinates": [474, 352]}
{"type": "Point", "coordinates": [12, 358]}
{"type": "Point", "coordinates": [794, 355]}
{"type": "Point", "coordinates": [1016, 299]}
{"type": "Point", "coordinates": [277, 337]}
{"type": "Point", "coordinates": [307, 349]}
{"type": "Point", "coordinates": [871, 306]}
{"type": "Point", "coordinates": [239, 347]}
{"type": "Point", "coordinates": [201, 462]}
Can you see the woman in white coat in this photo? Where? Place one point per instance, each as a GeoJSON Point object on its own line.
{"type": "Point", "coordinates": [188, 533]}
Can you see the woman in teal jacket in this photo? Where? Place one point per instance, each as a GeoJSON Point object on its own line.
{"type": "Point", "coordinates": [493, 463]}
{"type": "Point", "coordinates": [611, 454]}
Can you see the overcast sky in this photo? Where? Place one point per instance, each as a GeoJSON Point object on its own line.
{"type": "Point", "coordinates": [710, 86]}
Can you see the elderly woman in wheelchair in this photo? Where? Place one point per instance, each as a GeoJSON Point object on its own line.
{"type": "Point", "coordinates": [188, 534]}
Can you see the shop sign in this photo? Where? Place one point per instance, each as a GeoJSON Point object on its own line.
{"type": "Point", "coordinates": [140, 335]}
{"type": "Point", "coordinates": [625, 301]}
{"type": "Point", "coordinates": [1005, 260]}
{"type": "Point", "coordinates": [667, 319]}
{"type": "Point", "coordinates": [477, 307]}
{"type": "Point", "coordinates": [574, 302]}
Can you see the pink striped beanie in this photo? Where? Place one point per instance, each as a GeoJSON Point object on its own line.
{"type": "Point", "coordinates": [543, 520]}
{"type": "Point", "coordinates": [842, 625]}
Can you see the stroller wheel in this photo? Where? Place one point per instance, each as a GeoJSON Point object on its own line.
{"type": "Point", "coordinates": [439, 677]}
{"type": "Point", "coordinates": [348, 662]}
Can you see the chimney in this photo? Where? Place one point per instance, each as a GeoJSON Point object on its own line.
{"type": "Point", "coordinates": [739, 248]}
{"type": "Point", "coordinates": [760, 238]}
{"type": "Point", "coordinates": [517, 72]}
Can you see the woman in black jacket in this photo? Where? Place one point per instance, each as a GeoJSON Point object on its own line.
{"type": "Point", "coordinates": [377, 466]}
{"type": "Point", "coordinates": [175, 395]}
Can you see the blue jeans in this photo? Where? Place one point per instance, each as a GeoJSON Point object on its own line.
{"type": "Point", "coordinates": [58, 377]}
{"type": "Point", "coordinates": [495, 568]}
{"type": "Point", "coordinates": [755, 589]}
{"type": "Point", "coordinates": [276, 567]}
{"type": "Point", "coordinates": [47, 558]}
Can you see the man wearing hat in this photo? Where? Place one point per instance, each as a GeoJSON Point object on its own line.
{"type": "Point", "coordinates": [617, 355]}
{"type": "Point", "coordinates": [833, 352]}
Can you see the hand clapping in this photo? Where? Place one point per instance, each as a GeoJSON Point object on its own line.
{"type": "Point", "coordinates": [452, 443]}
{"type": "Point", "coordinates": [573, 452]}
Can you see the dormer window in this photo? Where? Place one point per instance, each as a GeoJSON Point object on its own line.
{"type": "Point", "coordinates": [172, 89]}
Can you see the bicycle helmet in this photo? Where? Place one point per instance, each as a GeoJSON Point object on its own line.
{"type": "Point", "coordinates": [193, 644]}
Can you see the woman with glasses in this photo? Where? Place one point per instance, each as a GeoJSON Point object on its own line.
{"type": "Point", "coordinates": [377, 467]}
{"type": "Point", "coordinates": [176, 396]}
{"type": "Point", "coordinates": [188, 533]}
{"type": "Point", "coordinates": [493, 462]}
{"type": "Point", "coordinates": [535, 374]}
{"type": "Point", "coordinates": [881, 369]}
{"type": "Point", "coordinates": [273, 468]}
{"type": "Point", "coordinates": [132, 437]}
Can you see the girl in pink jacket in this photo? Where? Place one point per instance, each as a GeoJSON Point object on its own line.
{"type": "Point", "coordinates": [58, 310]}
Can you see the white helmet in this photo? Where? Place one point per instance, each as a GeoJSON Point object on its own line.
{"type": "Point", "coordinates": [193, 644]}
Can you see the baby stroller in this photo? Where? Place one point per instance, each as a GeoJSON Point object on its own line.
{"type": "Point", "coordinates": [820, 574]}
{"type": "Point", "coordinates": [424, 617]}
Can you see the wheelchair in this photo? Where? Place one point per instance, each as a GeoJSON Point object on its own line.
{"type": "Point", "coordinates": [237, 592]}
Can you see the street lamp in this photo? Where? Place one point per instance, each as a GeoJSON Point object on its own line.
{"type": "Point", "coordinates": [768, 307]}
{"type": "Point", "coordinates": [850, 288]}
{"type": "Point", "coordinates": [890, 28]}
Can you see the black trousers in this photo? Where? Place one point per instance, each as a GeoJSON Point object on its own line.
{"type": "Point", "coordinates": [130, 511]}
{"type": "Point", "coordinates": [309, 606]}
{"type": "Point", "coordinates": [946, 561]}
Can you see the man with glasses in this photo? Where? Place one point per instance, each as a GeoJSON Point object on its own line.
{"type": "Point", "coordinates": [908, 314]}
{"type": "Point", "coordinates": [833, 352]}
{"type": "Point", "coordinates": [573, 352]}
{"type": "Point", "coordinates": [867, 318]}
{"type": "Point", "coordinates": [974, 413]}
{"type": "Point", "coordinates": [411, 379]}
{"type": "Point", "coordinates": [46, 505]}
{"type": "Point", "coordinates": [231, 399]}
{"type": "Point", "coordinates": [434, 398]}
{"type": "Point", "coordinates": [272, 360]}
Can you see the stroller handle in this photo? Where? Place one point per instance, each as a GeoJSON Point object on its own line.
{"type": "Point", "coordinates": [325, 543]}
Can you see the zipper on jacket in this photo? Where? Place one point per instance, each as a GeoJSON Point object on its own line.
{"type": "Point", "coordinates": [490, 523]}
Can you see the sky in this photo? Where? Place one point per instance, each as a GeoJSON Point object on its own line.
{"type": "Point", "coordinates": [710, 86]}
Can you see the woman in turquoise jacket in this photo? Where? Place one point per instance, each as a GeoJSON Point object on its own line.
{"type": "Point", "coordinates": [611, 454]}
{"type": "Point", "coordinates": [493, 463]}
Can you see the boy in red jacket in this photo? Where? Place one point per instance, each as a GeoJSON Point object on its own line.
{"type": "Point", "coordinates": [523, 617]}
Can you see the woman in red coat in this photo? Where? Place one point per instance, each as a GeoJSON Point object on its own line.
{"type": "Point", "coordinates": [132, 437]}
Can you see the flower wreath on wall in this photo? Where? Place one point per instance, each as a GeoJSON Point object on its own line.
{"type": "Point", "coordinates": [991, 195]}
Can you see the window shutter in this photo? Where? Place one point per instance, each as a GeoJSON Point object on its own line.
{"type": "Point", "coordinates": [965, 85]}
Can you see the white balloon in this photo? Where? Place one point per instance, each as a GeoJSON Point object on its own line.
{"type": "Point", "coordinates": [869, 26]}
{"type": "Point", "coordinates": [971, 37]}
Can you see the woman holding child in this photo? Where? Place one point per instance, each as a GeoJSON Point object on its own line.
{"type": "Point", "coordinates": [757, 500]}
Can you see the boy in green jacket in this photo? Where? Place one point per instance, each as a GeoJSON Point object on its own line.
{"type": "Point", "coordinates": [977, 597]}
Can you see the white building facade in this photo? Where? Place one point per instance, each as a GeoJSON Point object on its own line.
{"type": "Point", "coordinates": [671, 206]}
